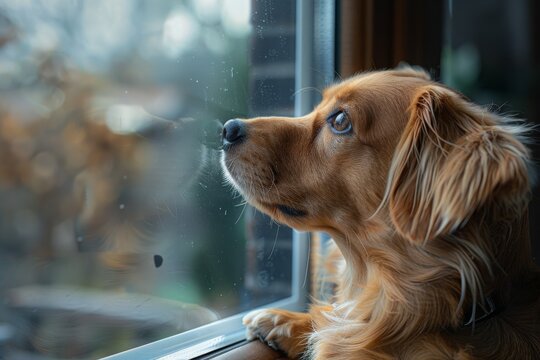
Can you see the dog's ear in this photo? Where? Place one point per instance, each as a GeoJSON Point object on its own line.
{"type": "Point", "coordinates": [452, 158]}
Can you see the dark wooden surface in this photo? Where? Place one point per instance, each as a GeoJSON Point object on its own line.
{"type": "Point", "coordinates": [254, 350]}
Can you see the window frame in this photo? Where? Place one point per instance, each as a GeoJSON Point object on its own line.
{"type": "Point", "coordinates": [225, 332]}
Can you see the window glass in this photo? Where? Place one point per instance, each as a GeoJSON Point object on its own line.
{"type": "Point", "coordinates": [116, 225]}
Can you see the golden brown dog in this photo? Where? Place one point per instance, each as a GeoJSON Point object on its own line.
{"type": "Point", "coordinates": [425, 195]}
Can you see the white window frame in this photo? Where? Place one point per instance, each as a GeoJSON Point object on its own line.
{"type": "Point", "coordinates": [228, 331]}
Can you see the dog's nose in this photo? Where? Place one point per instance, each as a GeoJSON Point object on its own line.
{"type": "Point", "coordinates": [234, 131]}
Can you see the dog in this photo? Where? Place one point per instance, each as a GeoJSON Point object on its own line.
{"type": "Point", "coordinates": [425, 195]}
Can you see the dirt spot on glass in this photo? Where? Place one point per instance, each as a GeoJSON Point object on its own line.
{"type": "Point", "coordinates": [158, 260]}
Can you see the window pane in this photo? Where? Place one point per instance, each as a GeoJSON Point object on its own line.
{"type": "Point", "coordinates": [116, 225]}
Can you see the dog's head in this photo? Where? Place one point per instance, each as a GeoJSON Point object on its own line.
{"type": "Point", "coordinates": [383, 151]}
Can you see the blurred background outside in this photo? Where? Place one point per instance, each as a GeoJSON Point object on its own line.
{"type": "Point", "coordinates": [116, 226]}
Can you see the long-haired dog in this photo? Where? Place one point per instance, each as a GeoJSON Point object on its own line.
{"type": "Point", "coordinates": [425, 195]}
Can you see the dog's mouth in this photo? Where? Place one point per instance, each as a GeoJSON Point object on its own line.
{"type": "Point", "coordinates": [290, 211]}
{"type": "Point", "coordinates": [253, 186]}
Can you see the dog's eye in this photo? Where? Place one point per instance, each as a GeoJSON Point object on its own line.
{"type": "Point", "coordinates": [339, 123]}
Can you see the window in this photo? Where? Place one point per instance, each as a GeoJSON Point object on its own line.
{"type": "Point", "coordinates": [116, 228]}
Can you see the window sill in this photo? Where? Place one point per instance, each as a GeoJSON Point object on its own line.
{"type": "Point", "coordinates": [254, 350]}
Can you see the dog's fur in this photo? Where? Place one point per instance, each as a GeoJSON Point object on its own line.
{"type": "Point", "coordinates": [427, 201]}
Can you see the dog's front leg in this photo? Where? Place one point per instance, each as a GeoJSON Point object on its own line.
{"type": "Point", "coordinates": [280, 329]}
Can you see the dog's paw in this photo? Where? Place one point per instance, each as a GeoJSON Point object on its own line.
{"type": "Point", "coordinates": [280, 329]}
